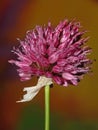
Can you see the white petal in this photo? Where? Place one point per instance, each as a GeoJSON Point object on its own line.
{"type": "Point", "coordinates": [33, 91]}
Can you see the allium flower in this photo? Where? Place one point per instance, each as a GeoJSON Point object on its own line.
{"type": "Point", "coordinates": [57, 53]}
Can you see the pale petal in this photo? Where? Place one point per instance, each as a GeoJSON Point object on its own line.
{"type": "Point", "coordinates": [33, 91]}
{"type": "Point", "coordinates": [68, 76]}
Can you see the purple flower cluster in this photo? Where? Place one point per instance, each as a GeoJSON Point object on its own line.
{"type": "Point", "coordinates": [58, 53]}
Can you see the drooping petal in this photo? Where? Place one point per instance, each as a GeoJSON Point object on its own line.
{"type": "Point", "coordinates": [33, 91]}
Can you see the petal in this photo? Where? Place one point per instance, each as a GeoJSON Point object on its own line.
{"type": "Point", "coordinates": [68, 76]}
{"type": "Point", "coordinates": [57, 79]}
{"type": "Point", "coordinates": [74, 81]}
{"type": "Point", "coordinates": [18, 63]}
{"type": "Point", "coordinates": [51, 49]}
{"type": "Point", "coordinates": [57, 69]}
{"type": "Point", "coordinates": [43, 61]}
{"type": "Point", "coordinates": [33, 91]}
{"type": "Point", "coordinates": [54, 57]}
{"type": "Point", "coordinates": [48, 74]}
{"type": "Point", "coordinates": [65, 83]}
{"type": "Point", "coordinates": [61, 62]}
{"type": "Point", "coordinates": [68, 67]}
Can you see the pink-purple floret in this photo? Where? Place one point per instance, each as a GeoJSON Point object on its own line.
{"type": "Point", "coordinates": [56, 53]}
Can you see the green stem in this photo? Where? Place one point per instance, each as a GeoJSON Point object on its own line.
{"type": "Point", "coordinates": [47, 107]}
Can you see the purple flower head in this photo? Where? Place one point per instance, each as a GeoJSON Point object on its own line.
{"type": "Point", "coordinates": [58, 53]}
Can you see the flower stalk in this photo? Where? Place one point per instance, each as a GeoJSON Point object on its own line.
{"type": "Point", "coordinates": [47, 107]}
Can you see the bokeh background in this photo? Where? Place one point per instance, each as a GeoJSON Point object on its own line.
{"type": "Point", "coordinates": [72, 108]}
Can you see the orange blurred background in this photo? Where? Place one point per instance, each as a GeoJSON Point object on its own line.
{"type": "Point", "coordinates": [72, 108]}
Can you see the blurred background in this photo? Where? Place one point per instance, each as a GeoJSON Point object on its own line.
{"type": "Point", "coordinates": [72, 108]}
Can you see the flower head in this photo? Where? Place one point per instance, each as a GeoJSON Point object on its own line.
{"type": "Point", "coordinates": [58, 53]}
